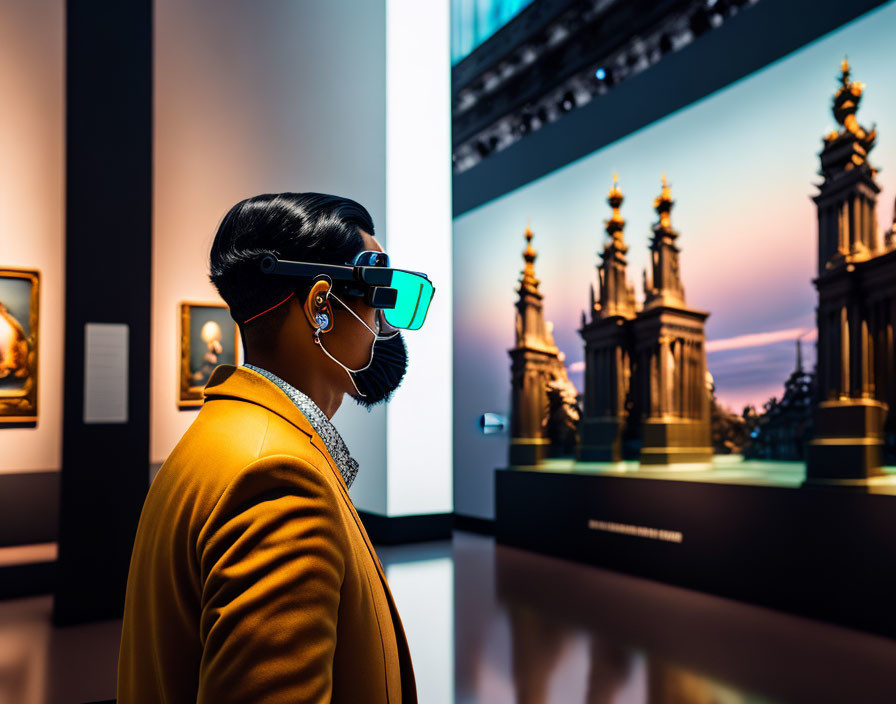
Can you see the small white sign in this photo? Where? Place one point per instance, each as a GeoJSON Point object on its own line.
{"type": "Point", "coordinates": [105, 373]}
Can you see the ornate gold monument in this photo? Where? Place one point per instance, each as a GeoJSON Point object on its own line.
{"type": "Point", "coordinates": [856, 305]}
{"type": "Point", "coordinates": [670, 353]}
{"type": "Point", "coordinates": [535, 363]}
{"type": "Point", "coordinates": [646, 394]}
{"type": "Point", "coordinates": [608, 347]}
{"type": "Point", "coordinates": [645, 368]}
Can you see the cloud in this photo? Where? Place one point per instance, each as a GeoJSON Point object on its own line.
{"type": "Point", "coordinates": [760, 339]}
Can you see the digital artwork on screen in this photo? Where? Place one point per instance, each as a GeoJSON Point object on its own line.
{"type": "Point", "coordinates": [722, 212]}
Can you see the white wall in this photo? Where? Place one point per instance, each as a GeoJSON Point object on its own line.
{"type": "Point", "coordinates": [254, 97]}
{"type": "Point", "coordinates": [418, 210]}
{"type": "Point", "coordinates": [32, 199]}
{"type": "Point", "coordinates": [339, 96]}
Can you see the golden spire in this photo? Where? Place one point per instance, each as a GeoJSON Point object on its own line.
{"type": "Point", "coordinates": [615, 188]}
{"type": "Point", "coordinates": [846, 103]}
{"type": "Point", "coordinates": [616, 222]}
{"type": "Point", "coordinates": [528, 279]}
{"type": "Point", "coordinates": [663, 203]}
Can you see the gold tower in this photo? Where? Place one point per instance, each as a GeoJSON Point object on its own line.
{"type": "Point", "coordinates": [607, 347]}
{"type": "Point", "coordinates": [670, 357]}
{"type": "Point", "coordinates": [533, 360]}
{"type": "Point", "coordinates": [856, 305]}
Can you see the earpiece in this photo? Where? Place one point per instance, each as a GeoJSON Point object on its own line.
{"type": "Point", "coordinates": [317, 308]}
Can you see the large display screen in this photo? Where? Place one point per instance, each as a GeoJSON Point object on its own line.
{"type": "Point", "coordinates": [474, 21]}
{"type": "Point", "coordinates": [743, 165]}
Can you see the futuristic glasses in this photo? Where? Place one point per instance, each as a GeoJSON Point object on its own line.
{"type": "Point", "coordinates": [403, 296]}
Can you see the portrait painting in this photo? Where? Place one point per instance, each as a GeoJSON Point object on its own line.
{"type": "Point", "coordinates": [19, 291]}
{"type": "Point", "coordinates": [208, 337]}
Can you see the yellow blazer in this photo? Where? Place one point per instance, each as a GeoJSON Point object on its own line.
{"type": "Point", "coordinates": [252, 578]}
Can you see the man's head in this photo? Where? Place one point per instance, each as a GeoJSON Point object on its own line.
{"type": "Point", "coordinates": [278, 315]}
{"type": "Point", "coordinates": [310, 227]}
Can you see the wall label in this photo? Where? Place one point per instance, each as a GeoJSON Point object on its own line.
{"type": "Point", "coordinates": [105, 373]}
{"type": "Point", "coordinates": [668, 536]}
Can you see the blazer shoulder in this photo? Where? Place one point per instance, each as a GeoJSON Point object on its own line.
{"type": "Point", "coordinates": [245, 431]}
{"type": "Point", "coordinates": [226, 435]}
{"type": "Point", "coordinates": [285, 439]}
{"type": "Point", "coordinates": [235, 446]}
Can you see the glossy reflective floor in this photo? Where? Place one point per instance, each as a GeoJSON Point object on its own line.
{"type": "Point", "coordinates": [536, 630]}
{"type": "Point", "coordinates": [501, 626]}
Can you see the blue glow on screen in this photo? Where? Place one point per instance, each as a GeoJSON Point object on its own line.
{"type": "Point", "coordinates": [474, 21]}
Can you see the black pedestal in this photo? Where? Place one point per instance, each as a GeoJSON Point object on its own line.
{"type": "Point", "coordinates": [824, 553]}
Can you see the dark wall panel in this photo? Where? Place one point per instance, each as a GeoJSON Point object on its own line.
{"type": "Point", "coordinates": [108, 275]}
{"type": "Point", "coordinates": [29, 508]}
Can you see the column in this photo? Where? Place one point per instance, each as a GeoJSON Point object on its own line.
{"type": "Point", "coordinates": [702, 409]}
{"type": "Point", "coordinates": [107, 280]}
{"type": "Point", "coordinates": [867, 332]}
{"type": "Point", "coordinates": [418, 189]}
{"type": "Point", "coordinates": [891, 354]}
{"type": "Point", "coordinates": [844, 353]}
{"type": "Point", "coordinates": [692, 366]}
{"type": "Point", "coordinates": [618, 379]}
{"type": "Point", "coordinates": [843, 229]}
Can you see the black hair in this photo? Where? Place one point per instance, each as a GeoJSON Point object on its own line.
{"type": "Point", "coordinates": [309, 227]}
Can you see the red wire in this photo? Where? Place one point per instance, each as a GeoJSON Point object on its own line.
{"type": "Point", "coordinates": [269, 309]}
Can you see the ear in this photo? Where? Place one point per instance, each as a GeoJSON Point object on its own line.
{"type": "Point", "coordinates": [317, 307]}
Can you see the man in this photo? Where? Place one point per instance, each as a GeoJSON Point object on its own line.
{"type": "Point", "coordinates": [252, 578]}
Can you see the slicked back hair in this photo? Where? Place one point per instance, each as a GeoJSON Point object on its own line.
{"type": "Point", "coordinates": [308, 227]}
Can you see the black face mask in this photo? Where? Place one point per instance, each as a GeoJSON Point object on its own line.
{"type": "Point", "coordinates": [387, 369]}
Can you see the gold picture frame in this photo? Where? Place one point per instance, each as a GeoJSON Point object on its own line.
{"type": "Point", "coordinates": [205, 343]}
{"type": "Point", "coordinates": [19, 326]}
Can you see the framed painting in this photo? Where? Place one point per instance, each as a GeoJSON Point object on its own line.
{"type": "Point", "coordinates": [208, 337]}
{"type": "Point", "coordinates": [19, 318]}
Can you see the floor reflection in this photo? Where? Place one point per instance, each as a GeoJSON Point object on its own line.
{"type": "Point", "coordinates": [490, 624]}
{"type": "Point", "coordinates": [536, 630]}
{"type": "Point", "coordinates": [421, 578]}
{"type": "Point", "coordinates": [40, 664]}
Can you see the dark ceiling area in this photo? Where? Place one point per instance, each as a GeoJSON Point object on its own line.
{"type": "Point", "coordinates": [566, 77]}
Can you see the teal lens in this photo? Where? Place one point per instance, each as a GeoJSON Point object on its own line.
{"type": "Point", "coordinates": [412, 302]}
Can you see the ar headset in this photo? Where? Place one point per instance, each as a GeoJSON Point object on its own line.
{"type": "Point", "coordinates": [404, 296]}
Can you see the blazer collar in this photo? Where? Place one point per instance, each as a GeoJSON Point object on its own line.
{"type": "Point", "coordinates": [228, 381]}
